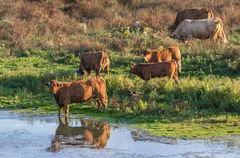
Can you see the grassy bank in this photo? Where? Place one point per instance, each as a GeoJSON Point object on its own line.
{"type": "Point", "coordinates": [160, 107]}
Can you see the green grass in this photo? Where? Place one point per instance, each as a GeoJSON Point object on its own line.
{"type": "Point", "coordinates": [218, 126]}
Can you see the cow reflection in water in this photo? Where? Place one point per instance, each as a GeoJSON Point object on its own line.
{"type": "Point", "coordinates": [90, 134]}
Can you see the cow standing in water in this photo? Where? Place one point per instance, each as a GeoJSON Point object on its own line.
{"type": "Point", "coordinates": [193, 13]}
{"type": "Point", "coordinates": [167, 54]}
{"type": "Point", "coordinates": [148, 71]}
{"type": "Point", "coordinates": [66, 93]}
{"type": "Point", "coordinates": [96, 61]}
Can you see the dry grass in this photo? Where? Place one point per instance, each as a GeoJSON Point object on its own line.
{"type": "Point", "coordinates": [27, 24]}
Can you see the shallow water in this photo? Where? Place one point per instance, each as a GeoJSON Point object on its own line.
{"type": "Point", "coordinates": [26, 136]}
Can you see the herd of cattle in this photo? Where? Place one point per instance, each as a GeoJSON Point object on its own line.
{"type": "Point", "coordinates": [190, 23]}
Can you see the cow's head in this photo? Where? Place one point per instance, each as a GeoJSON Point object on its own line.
{"type": "Point", "coordinates": [80, 72]}
{"type": "Point", "coordinates": [171, 28]}
{"type": "Point", "coordinates": [174, 35]}
{"type": "Point", "coordinates": [132, 69]}
{"type": "Point", "coordinates": [54, 86]}
{"type": "Point", "coordinates": [147, 55]}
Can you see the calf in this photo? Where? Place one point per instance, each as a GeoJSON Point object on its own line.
{"type": "Point", "coordinates": [167, 54]}
{"type": "Point", "coordinates": [148, 71]}
{"type": "Point", "coordinates": [66, 93]}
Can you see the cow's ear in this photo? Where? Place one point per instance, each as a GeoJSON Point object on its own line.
{"type": "Point", "coordinates": [59, 84]}
{"type": "Point", "coordinates": [132, 64]}
{"type": "Point", "coordinates": [148, 51]}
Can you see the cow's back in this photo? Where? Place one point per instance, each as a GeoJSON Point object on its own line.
{"type": "Point", "coordinates": [175, 52]}
{"type": "Point", "coordinates": [203, 28]}
{"type": "Point", "coordinates": [154, 69]}
{"type": "Point", "coordinates": [80, 91]}
{"type": "Point", "coordinates": [197, 13]}
{"type": "Point", "coordinates": [193, 13]}
{"type": "Point", "coordinates": [156, 56]}
{"type": "Point", "coordinates": [91, 60]}
{"type": "Point", "coordinates": [99, 85]}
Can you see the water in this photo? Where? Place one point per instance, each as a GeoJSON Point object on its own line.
{"type": "Point", "coordinates": [26, 136]}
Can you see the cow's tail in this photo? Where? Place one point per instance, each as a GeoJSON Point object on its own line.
{"type": "Point", "coordinates": [218, 26]}
{"type": "Point", "coordinates": [220, 31]}
{"type": "Point", "coordinates": [210, 13]}
{"type": "Point", "coordinates": [176, 54]}
{"type": "Point", "coordinates": [175, 74]}
{"type": "Point", "coordinates": [176, 64]}
{"type": "Point", "coordinates": [101, 80]}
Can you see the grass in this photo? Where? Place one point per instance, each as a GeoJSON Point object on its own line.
{"type": "Point", "coordinates": [219, 126]}
{"type": "Point", "coordinates": [161, 107]}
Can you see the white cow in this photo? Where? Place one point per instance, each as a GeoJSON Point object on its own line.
{"type": "Point", "coordinates": [200, 29]}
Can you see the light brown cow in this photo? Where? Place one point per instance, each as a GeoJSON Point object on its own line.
{"type": "Point", "coordinates": [200, 29]}
{"type": "Point", "coordinates": [193, 13]}
{"type": "Point", "coordinates": [96, 61]}
{"type": "Point", "coordinates": [167, 54]}
{"type": "Point", "coordinates": [66, 93]}
{"type": "Point", "coordinates": [151, 70]}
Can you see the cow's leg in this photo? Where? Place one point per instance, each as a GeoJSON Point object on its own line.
{"type": "Point", "coordinates": [66, 109]}
{"type": "Point", "coordinates": [88, 72]}
{"type": "Point", "coordinates": [67, 122]}
{"type": "Point", "coordinates": [97, 73]}
{"type": "Point", "coordinates": [98, 70]}
{"type": "Point", "coordinates": [82, 70]}
{"type": "Point", "coordinates": [105, 104]}
{"type": "Point", "coordinates": [59, 110]}
{"type": "Point", "coordinates": [175, 77]}
{"type": "Point", "coordinates": [179, 66]}
{"type": "Point", "coordinates": [99, 104]}
{"type": "Point", "coordinates": [106, 70]}
{"type": "Point", "coordinates": [146, 77]}
{"type": "Point", "coordinates": [103, 101]}
{"type": "Point", "coordinates": [170, 75]}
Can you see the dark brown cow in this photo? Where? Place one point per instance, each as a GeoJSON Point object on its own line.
{"type": "Point", "coordinates": [89, 134]}
{"type": "Point", "coordinates": [66, 93]}
{"type": "Point", "coordinates": [167, 54]}
{"type": "Point", "coordinates": [96, 61]}
{"type": "Point", "coordinates": [193, 13]}
{"type": "Point", "coordinates": [148, 71]}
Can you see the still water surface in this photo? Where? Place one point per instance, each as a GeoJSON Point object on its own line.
{"type": "Point", "coordinates": [26, 136]}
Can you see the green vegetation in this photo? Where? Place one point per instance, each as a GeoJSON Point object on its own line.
{"type": "Point", "coordinates": [206, 103]}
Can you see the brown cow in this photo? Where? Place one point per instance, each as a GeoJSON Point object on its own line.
{"type": "Point", "coordinates": [90, 134]}
{"type": "Point", "coordinates": [200, 29]}
{"type": "Point", "coordinates": [96, 61]}
{"type": "Point", "coordinates": [193, 13]}
{"type": "Point", "coordinates": [151, 70]}
{"type": "Point", "coordinates": [166, 54]}
{"type": "Point", "coordinates": [66, 93]}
